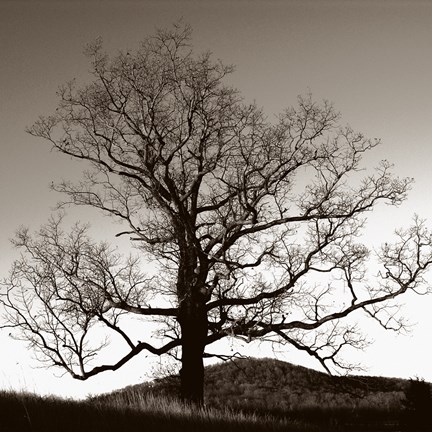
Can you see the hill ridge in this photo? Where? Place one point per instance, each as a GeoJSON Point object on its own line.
{"type": "Point", "coordinates": [272, 384]}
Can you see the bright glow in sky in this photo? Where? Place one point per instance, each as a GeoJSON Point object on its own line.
{"type": "Point", "coordinates": [372, 59]}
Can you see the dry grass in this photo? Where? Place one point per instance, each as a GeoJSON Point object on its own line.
{"type": "Point", "coordinates": [29, 412]}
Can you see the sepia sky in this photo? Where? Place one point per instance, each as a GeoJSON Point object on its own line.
{"type": "Point", "coordinates": [372, 59]}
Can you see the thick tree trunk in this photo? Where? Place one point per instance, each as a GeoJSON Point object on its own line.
{"type": "Point", "coordinates": [192, 317]}
{"type": "Point", "coordinates": [193, 322]}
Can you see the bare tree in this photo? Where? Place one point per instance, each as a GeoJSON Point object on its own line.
{"type": "Point", "coordinates": [253, 227]}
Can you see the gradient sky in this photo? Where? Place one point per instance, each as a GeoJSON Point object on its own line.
{"type": "Point", "coordinates": [373, 59]}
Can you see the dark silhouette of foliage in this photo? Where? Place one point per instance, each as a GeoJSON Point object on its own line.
{"type": "Point", "coordinates": [418, 403]}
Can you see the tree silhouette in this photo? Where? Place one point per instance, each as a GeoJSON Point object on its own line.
{"type": "Point", "coordinates": [251, 226]}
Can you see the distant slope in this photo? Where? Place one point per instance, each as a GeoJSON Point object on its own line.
{"type": "Point", "coordinates": [274, 385]}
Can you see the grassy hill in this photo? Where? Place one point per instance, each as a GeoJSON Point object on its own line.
{"type": "Point", "coordinates": [276, 385]}
{"type": "Point", "coordinates": [241, 395]}
{"type": "Point", "coordinates": [283, 390]}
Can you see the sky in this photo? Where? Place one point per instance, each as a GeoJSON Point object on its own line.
{"type": "Point", "coordinates": [372, 59]}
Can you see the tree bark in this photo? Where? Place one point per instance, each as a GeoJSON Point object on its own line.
{"type": "Point", "coordinates": [193, 323]}
{"type": "Point", "coordinates": [192, 317]}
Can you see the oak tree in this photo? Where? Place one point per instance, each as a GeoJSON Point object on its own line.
{"type": "Point", "coordinates": [252, 228]}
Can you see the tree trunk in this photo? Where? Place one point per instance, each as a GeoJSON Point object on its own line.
{"type": "Point", "coordinates": [192, 317]}
{"type": "Point", "coordinates": [193, 323]}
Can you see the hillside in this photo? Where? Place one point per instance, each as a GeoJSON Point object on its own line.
{"type": "Point", "coordinates": [272, 387]}
{"type": "Point", "coordinates": [270, 384]}
{"type": "Point", "coordinates": [241, 395]}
